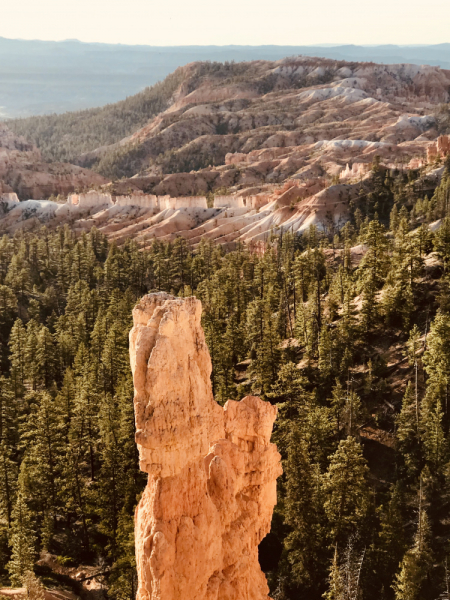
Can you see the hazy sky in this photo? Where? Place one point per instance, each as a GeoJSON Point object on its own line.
{"type": "Point", "coordinates": [253, 22]}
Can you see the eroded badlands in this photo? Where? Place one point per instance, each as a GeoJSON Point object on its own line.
{"type": "Point", "coordinates": [288, 144]}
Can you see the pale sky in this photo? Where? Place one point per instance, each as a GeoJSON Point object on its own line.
{"type": "Point", "coordinates": [247, 22]}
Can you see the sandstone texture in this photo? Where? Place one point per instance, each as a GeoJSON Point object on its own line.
{"type": "Point", "coordinates": [211, 471]}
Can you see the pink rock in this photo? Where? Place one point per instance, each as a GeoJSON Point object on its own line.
{"type": "Point", "coordinates": [439, 148]}
{"type": "Point", "coordinates": [212, 471]}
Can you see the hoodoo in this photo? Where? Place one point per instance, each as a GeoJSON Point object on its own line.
{"type": "Point", "coordinates": [212, 471]}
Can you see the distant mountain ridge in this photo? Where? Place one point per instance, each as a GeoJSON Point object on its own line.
{"type": "Point", "coordinates": [40, 77]}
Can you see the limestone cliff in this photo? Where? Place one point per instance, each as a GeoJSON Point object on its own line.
{"type": "Point", "coordinates": [212, 470]}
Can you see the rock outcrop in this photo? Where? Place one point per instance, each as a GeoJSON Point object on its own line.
{"type": "Point", "coordinates": [211, 471]}
{"type": "Point", "coordinates": [439, 149]}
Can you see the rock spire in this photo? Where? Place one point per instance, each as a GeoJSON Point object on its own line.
{"type": "Point", "coordinates": [211, 471]}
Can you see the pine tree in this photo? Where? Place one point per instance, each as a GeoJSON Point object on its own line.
{"type": "Point", "coordinates": [18, 276]}
{"type": "Point", "coordinates": [410, 581]}
{"type": "Point", "coordinates": [44, 457]}
{"type": "Point", "coordinates": [31, 359]}
{"type": "Point", "coordinates": [412, 349]}
{"type": "Point", "coordinates": [303, 514]}
{"type": "Point", "coordinates": [408, 431]}
{"type": "Point", "coordinates": [372, 270]}
{"type": "Point", "coordinates": [109, 477]}
{"type": "Point", "coordinates": [369, 309]}
{"type": "Point", "coordinates": [8, 482]}
{"type": "Point", "coordinates": [345, 487]}
{"type": "Point", "coordinates": [263, 340]}
{"type": "Point", "coordinates": [47, 361]}
{"type": "Point", "coordinates": [337, 402]}
{"type": "Point", "coordinates": [406, 265]}
{"type": "Point", "coordinates": [394, 219]}
{"type": "Point", "coordinates": [345, 575]}
{"type": "Point", "coordinates": [392, 540]}
{"type": "Point", "coordinates": [436, 360]}
{"type": "Point", "coordinates": [442, 241]}
{"type": "Point", "coordinates": [8, 310]}
{"type": "Point", "coordinates": [123, 581]}
{"type": "Point", "coordinates": [326, 362]}
{"type": "Point", "coordinates": [336, 589]}
{"type": "Point", "coordinates": [22, 539]}
{"type": "Point", "coordinates": [6, 251]}
{"type": "Point", "coordinates": [33, 586]}
{"type": "Point", "coordinates": [17, 347]}
{"type": "Point", "coordinates": [114, 357]}
{"type": "Point", "coordinates": [294, 401]}
{"type": "Point", "coordinates": [65, 403]}
{"type": "Point", "coordinates": [434, 441]}
{"type": "Point", "coordinates": [352, 412]}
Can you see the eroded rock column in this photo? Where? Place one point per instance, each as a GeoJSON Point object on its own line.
{"type": "Point", "coordinates": [211, 471]}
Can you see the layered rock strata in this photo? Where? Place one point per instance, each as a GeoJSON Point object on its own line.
{"type": "Point", "coordinates": [211, 471]}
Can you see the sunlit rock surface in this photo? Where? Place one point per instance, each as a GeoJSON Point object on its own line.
{"type": "Point", "coordinates": [211, 471]}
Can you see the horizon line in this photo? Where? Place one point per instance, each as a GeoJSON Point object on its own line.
{"type": "Point", "coordinates": [316, 45]}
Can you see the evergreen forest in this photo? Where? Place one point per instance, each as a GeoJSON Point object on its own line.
{"type": "Point", "coordinates": [65, 137]}
{"type": "Point", "coordinates": [353, 348]}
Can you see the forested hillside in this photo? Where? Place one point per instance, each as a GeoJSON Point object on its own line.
{"type": "Point", "coordinates": [68, 136]}
{"type": "Point", "coordinates": [206, 111]}
{"type": "Point", "coordinates": [64, 137]}
{"type": "Point", "coordinates": [356, 356]}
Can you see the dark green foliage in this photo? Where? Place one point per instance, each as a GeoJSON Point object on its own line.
{"type": "Point", "coordinates": [66, 410]}
{"type": "Point", "coordinates": [91, 137]}
{"type": "Point", "coordinates": [351, 354]}
{"type": "Point", "coordinates": [64, 137]}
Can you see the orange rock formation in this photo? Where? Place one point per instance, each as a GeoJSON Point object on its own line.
{"type": "Point", "coordinates": [212, 470]}
{"type": "Point", "coordinates": [440, 148]}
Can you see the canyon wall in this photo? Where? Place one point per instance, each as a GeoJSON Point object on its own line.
{"type": "Point", "coordinates": [94, 199]}
{"type": "Point", "coordinates": [166, 202]}
{"type": "Point", "coordinates": [90, 199]}
{"type": "Point", "coordinates": [211, 471]}
{"type": "Point", "coordinates": [141, 200]}
{"type": "Point", "coordinates": [191, 202]}
{"type": "Point", "coordinates": [228, 202]}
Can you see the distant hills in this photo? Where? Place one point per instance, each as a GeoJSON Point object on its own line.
{"type": "Point", "coordinates": [38, 77]}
